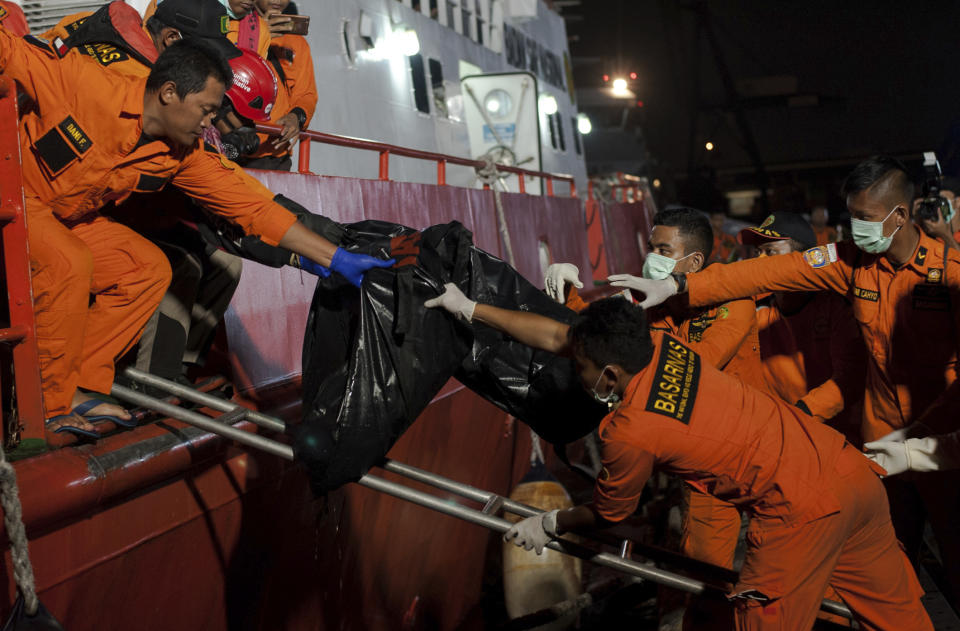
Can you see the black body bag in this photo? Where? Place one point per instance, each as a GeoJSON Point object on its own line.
{"type": "Point", "coordinates": [373, 359]}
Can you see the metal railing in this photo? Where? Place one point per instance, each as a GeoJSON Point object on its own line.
{"type": "Point", "coordinates": [385, 150]}
{"type": "Point", "coordinates": [28, 421]}
{"type": "Point", "coordinates": [486, 517]}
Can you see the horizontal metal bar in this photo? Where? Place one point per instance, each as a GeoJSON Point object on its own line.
{"type": "Point", "coordinates": [195, 396]}
{"type": "Point", "coordinates": [499, 525]}
{"type": "Point", "coordinates": [486, 497]}
{"type": "Point", "coordinates": [14, 334]}
{"type": "Point", "coordinates": [204, 422]}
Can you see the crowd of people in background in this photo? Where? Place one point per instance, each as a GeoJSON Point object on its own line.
{"type": "Point", "coordinates": [781, 387]}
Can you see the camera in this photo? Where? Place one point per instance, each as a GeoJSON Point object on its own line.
{"type": "Point", "coordinates": [932, 204]}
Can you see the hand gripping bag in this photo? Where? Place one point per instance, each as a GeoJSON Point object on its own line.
{"type": "Point", "coordinates": [374, 358]}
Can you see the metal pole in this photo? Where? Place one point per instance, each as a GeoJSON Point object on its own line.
{"type": "Point", "coordinates": [195, 396]}
{"type": "Point", "coordinates": [501, 525]}
{"type": "Point", "coordinates": [204, 422]}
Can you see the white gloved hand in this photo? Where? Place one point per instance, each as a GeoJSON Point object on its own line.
{"type": "Point", "coordinates": [453, 301]}
{"type": "Point", "coordinates": [893, 456]}
{"type": "Point", "coordinates": [655, 291]}
{"type": "Point", "coordinates": [533, 533]}
{"type": "Point", "coordinates": [933, 453]}
{"type": "Point", "coordinates": [556, 278]}
{"type": "Point", "coordinates": [910, 431]}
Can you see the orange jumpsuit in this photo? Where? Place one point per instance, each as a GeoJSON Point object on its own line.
{"type": "Point", "coordinates": [825, 235]}
{"type": "Point", "coordinates": [725, 248]}
{"type": "Point", "coordinates": [252, 32]}
{"type": "Point", "coordinates": [814, 354]}
{"type": "Point", "coordinates": [725, 336]}
{"type": "Point", "coordinates": [819, 515]}
{"type": "Point", "coordinates": [909, 318]}
{"type": "Point", "coordinates": [13, 18]}
{"type": "Point", "coordinates": [296, 88]}
{"type": "Point", "coordinates": [83, 149]}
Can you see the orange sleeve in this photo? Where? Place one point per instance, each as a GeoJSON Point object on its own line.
{"type": "Point", "coordinates": [33, 64]}
{"type": "Point", "coordinates": [722, 340]}
{"type": "Point", "coordinates": [626, 469]}
{"type": "Point", "coordinates": [574, 301]}
{"type": "Point", "coordinates": [788, 272]}
{"type": "Point", "coordinates": [848, 356]}
{"type": "Point", "coordinates": [217, 184]}
{"type": "Point", "coordinates": [300, 78]}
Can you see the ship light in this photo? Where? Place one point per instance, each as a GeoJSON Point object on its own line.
{"type": "Point", "coordinates": [709, 146]}
{"type": "Point", "coordinates": [548, 104]}
{"type": "Point", "coordinates": [584, 126]}
{"type": "Point", "coordinates": [402, 42]}
{"type": "Point", "coordinates": [620, 87]}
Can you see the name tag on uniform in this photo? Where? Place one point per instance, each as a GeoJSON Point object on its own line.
{"type": "Point", "coordinates": [866, 294]}
{"type": "Point", "coordinates": [674, 389]}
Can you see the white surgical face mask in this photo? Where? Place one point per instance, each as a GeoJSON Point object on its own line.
{"type": "Point", "coordinates": [868, 235]}
{"type": "Point", "coordinates": [658, 267]}
{"type": "Point", "coordinates": [607, 399]}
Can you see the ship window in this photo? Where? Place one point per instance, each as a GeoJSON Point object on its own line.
{"type": "Point", "coordinates": [480, 22]}
{"type": "Point", "coordinates": [439, 91]}
{"type": "Point", "coordinates": [434, 11]}
{"type": "Point", "coordinates": [465, 17]}
{"type": "Point", "coordinates": [553, 130]}
{"type": "Point", "coordinates": [559, 121]}
{"type": "Point", "coordinates": [419, 77]}
{"type": "Point", "coordinates": [345, 33]}
{"type": "Point", "coordinates": [576, 136]}
{"type": "Point", "coordinates": [451, 14]}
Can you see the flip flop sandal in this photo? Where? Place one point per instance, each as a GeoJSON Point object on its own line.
{"type": "Point", "coordinates": [71, 429]}
{"type": "Point", "coordinates": [86, 406]}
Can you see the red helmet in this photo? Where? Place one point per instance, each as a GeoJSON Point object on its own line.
{"type": "Point", "coordinates": [254, 89]}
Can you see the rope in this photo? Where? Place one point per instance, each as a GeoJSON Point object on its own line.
{"type": "Point", "coordinates": [489, 175]}
{"type": "Point", "coordinates": [13, 520]}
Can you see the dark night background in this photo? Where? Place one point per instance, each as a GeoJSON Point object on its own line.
{"type": "Point", "coordinates": [877, 77]}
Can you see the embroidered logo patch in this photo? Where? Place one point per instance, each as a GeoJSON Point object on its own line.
{"type": "Point", "coordinates": [674, 389]}
{"type": "Point", "coordinates": [866, 294]}
{"type": "Point", "coordinates": [106, 54]}
{"type": "Point", "coordinates": [767, 221]}
{"type": "Point", "coordinates": [821, 256]}
{"type": "Point", "coordinates": [224, 24]}
{"type": "Point", "coordinates": [934, 275]}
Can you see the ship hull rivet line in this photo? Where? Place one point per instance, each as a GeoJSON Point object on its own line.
{"type": "Point", "coordinates": [492, 502]}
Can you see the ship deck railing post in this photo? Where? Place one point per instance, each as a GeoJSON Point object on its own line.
{"type": "Point", "coordinates": [21, 333]}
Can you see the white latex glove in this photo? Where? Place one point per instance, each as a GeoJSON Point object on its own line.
{"type": "Point", "coordinates": [533, 533]}
{"type": "Point", "coordinates": [453, 301]}
{"type": "Point", "coordinates": [892, 456]}
{"type": "Point", "coordinates": [933, 453]}
{"type": "Point", "coordinates": [900, 435]}
{"type": "Point", "coordinates": [655, 291]}
{"type": "Point", "coordinates": [556, 278]}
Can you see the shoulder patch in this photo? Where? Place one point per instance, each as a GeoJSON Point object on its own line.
{"type": "Point", "coordinates": [675, 382]}
{"type": "Point", "coordinates": [934, 275]}
{"type": "Point", "coordinates": [921, 257]}
{"type": "Point", "coordinates": [821, 256]}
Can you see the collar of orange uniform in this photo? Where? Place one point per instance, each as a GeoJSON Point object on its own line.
{"type": "Point", "coordinates": [929, 253]}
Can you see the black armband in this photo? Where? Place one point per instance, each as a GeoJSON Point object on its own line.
{"type": "Point", "coordinates": [301, 117]}
{"type": "Point", "coordinates": [681, 280]}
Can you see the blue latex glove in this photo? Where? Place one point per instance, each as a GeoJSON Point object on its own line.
{"type": "Point", "coordinates": [353, 266]}
{"type": "Point", "coordinates": [313, 267]}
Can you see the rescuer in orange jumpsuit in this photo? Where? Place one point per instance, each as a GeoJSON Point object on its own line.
{"type": "Point", "coordinates": [905, 290]}
{"type": "Point", "coordinates": [818, 220]}
{"type": "Point", "coordinates": [811, 348]}
{"type": "Point", "coordinates": [819, 516]}
{"type": "Point", "coordinates": [725, 247]}
{"type": "Point", "coordinates": [290, 57]}
{"type": "Point", "coordinates": [13, 19]}
{"type": "Point", "coordinates": [97, 138]}
{"type": "Point", "coordinates": [725, 336]}
{"type": "Point", "coordinates": [246, 28]}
